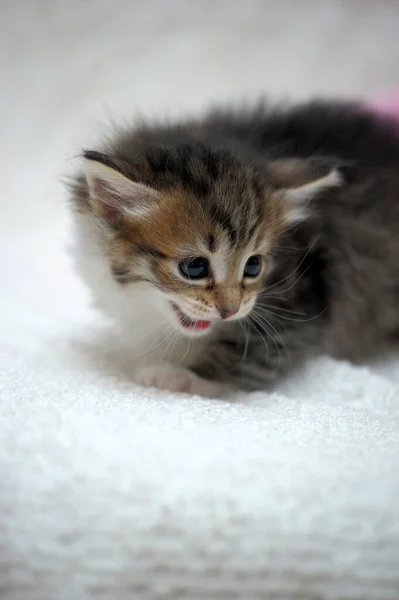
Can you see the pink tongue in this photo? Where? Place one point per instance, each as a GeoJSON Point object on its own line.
{"type": "Point", "coordinates": [201, 324]}
{"type": "Point", "coordinates": [190, 323]}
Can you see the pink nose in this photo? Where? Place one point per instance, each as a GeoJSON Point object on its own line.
{"type": "Point", "coordinates": [226, 313]}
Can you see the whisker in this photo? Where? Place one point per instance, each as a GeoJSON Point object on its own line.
{"type": "Point", "coordinates": [243, 324]}
{"type": "Point", "coordinates": [278, 283]}
{"type": "Point", "coordinates": [263, 322]}
{"type": "Point", "coordinates": [281, 292]}
{"type": "Point", "coordinates": [169, 347]}
{"type": "Point", "coordinates": [283, 317]}
{"type": "Point", "coordinates": [265, 306]}
{"type": "Point", "coordinates": [258, 331]}
{"type": "Point", "coordinates": [151, 348]}
{"type": "Point", "coordinates": [188, 348]}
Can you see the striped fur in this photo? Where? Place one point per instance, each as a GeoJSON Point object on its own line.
{"type": "Point", "coordinates": [311, 189]}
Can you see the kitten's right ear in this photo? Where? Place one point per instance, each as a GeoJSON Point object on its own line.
{"type": "Point", "coordinates": [300, 180]}
{"type": "Point", "coordinates": [112, 195]}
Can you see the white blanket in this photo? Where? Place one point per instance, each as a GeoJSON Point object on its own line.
{"type": "Point", "coordinates": [109, 491]}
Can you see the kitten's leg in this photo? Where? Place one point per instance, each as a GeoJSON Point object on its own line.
{"type": "Point", "coordinates": [235, 361]}
{"type": "Point", "coordinates": [165, 376]}
{"type": "Point", "coordinates": [253, 375]}
{"type": "Point", "coordinates": [255, 363]}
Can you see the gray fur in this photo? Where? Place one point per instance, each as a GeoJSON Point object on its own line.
{"type": "Point", "coordinates": [334, 287]}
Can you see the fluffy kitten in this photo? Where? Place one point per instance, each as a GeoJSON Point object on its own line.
{"type": "Point", "coordinates": [232, 247]}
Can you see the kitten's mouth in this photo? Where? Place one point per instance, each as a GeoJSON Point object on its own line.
{"type": "Point", "coordinates": [187, 323]}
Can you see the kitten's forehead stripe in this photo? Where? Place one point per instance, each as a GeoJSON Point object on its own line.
{"type": "Point", "coordinates": [211, 243]}
{"type": "Point", "coordinates": [222, 218]}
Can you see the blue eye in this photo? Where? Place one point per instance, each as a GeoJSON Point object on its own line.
{"type": "Point", "coordinates": [253, 266]}
{"type": "Point", "coordinates": [195, 268]}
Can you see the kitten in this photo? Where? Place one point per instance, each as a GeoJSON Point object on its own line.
{"type": "Point", "coordinates": [232, 247]}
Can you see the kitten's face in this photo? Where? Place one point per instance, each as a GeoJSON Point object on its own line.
{"type": "Point", "coordinates": [197, 232]}
{"type": "Point", "coordinates": [198, 272]}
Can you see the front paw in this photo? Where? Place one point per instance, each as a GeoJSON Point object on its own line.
{"type": "Point", "coordinates": [175, 379]}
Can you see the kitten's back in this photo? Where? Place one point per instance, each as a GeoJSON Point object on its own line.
{"type": "Point", "coordinates": [344, 130]}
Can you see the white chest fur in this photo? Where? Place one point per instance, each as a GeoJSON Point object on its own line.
{"type": "Point", "coordinates": [147, 333]}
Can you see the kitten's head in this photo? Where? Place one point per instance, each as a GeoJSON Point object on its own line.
{"type": "Point", "coordinates": [194, 225]}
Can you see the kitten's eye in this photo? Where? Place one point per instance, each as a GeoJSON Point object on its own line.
{"type": "Point", "coordinates": [253, 266]}
{"type": "Point", "coordinates": [196, 268]}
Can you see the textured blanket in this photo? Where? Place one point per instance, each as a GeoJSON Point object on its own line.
{"type": "Point", "coordinates": [108, 491]}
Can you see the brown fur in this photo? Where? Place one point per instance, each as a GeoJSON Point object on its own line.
{"type": "Point", "coordinates": [235, 185]}
{"type": "Point", "coordinates": [170, 237]}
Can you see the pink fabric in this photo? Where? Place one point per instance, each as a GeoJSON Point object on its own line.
{"type": "Point", "coordinates": [387, 106]}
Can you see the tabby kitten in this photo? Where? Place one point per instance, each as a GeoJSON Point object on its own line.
{"type": "Point", "coordinates": [231, 247]}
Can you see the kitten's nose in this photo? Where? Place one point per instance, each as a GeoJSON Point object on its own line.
{"type": "Point", "coordinates": [226, 312]}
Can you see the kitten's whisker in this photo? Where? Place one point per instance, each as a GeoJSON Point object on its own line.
{"type": "Point", "coordinates": [256, 327]}
{"type": "Point", "coordinates": [263, 317]}
{"type": "Point", "coordinates": [281, 292]}
{"type": "Point", "coordinates": [278, 283]}
{"type": "Point", "coordinates": [113, 348]}
{"type": "Point", "coordinates": [291, 248]}
{"type": "Point", "coordinates": [284, 317]}
{"type": "Point", "coordinates": [171, 335]}
{"type": "Point", "coordinates": [265, 307]}
{"type": "Point", "coordinates": [243, 324]}
{"type": "Point", "coordinates": [172, 345]}
{"type": "Point", "coordinates": [151, 348]}
{"type": "Point", "coordinates": [188, 348]}
{"type": "Point", "coordinates": [263, 322]}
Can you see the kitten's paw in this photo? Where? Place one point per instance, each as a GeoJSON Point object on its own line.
{"type": "Point", "coordinates": [175, 379]}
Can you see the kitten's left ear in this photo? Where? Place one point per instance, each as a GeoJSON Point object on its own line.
{"type": "Point", "coordinates": [301, 181]}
